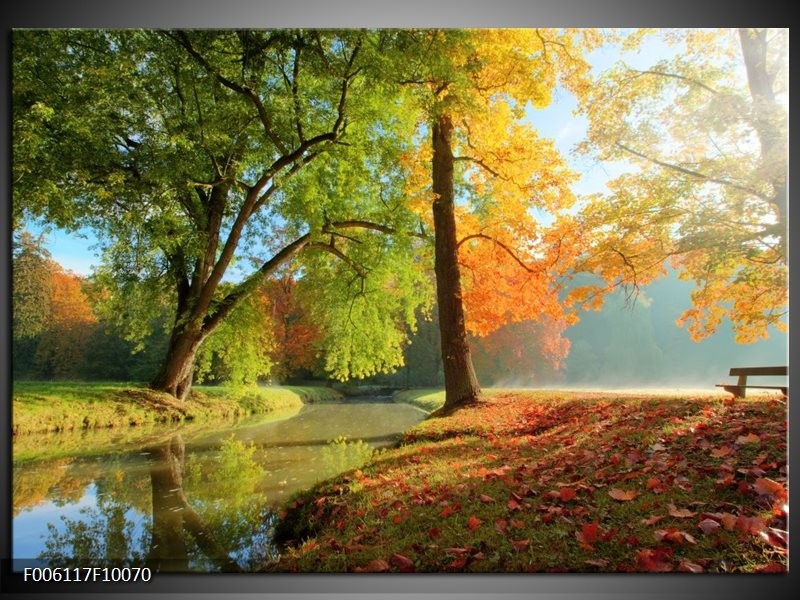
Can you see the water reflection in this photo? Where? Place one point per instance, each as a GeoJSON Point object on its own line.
{"type": "Point", "coordinates": [173, 516]}
{"type": "Point", "coordinates": [183, 501]}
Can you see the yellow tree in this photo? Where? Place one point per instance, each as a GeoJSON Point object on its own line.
{"type": "Point", "coordinates": [479, 174]}
{"type": "Point", "coordinates": [706, 132]}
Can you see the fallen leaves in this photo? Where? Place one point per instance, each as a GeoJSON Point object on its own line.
{"type": "Point", "coordinates": [677, 536]}
{"type": "Point", "coordinates": [654, 560]}
{"type": "Point", "coordinates": [622, 495]}
{"type": "Point", "coordinates": [686, 566]}
{"type": "Point", "coordinates": [768, 487]}
{"type": "Point", "coordinates": [750, 438]}
{"type": "Point", "coordinates": [566, 494]}
{"type": "Point", "coordinates": [680, 513]}
{"type": "Point", "coordinates": [374, 566]}
{"type": "Point", "coordinates": [405, 564]}
{"type": "Point", "coordinates": [520, 545]}
{"type": "Point", "coordinates": [721, 452]}
{"type": "Point", "coordinates": [712, 483]}
{"type": "Point", "coordinates": [708, 526]}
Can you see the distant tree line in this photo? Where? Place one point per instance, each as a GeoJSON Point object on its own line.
{"type": "Point", "coordinates": [62, 331]}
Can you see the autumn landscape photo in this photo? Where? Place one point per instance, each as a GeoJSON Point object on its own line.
{"type": "Point", "coordinates": [399, 300]}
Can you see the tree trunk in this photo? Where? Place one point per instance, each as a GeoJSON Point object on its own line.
{"type": "Point", "coordinates": [176, 373]}
{"type": "Point", "coordinates": [460, 382]}
{"type": "Point", "coordinates": [769, 120]}
{"type": "Point", "coordinates": [172, 515]}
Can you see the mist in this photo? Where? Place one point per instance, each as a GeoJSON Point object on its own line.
{"type": "Point", "coordinates": [630, 343]}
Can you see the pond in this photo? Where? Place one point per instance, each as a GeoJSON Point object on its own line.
{"type": "Point", "coordinates": [189, 498]}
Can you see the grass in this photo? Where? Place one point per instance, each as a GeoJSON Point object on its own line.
{"type": "Point", "coordinates": [559, 481]}
{"type": "Point", "coordinates": [428, 399]}
{"type": "Point", "coordinates": [40, 407]}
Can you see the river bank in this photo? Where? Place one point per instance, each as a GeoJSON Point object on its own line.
{"type": "Point", "coordinates": [42, 407]}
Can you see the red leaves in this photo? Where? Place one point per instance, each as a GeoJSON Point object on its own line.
{"type": "Point", "coordinates": [405, 564]}
{"type": "Point", "coordinates": [589, 532]}
{"type": "Point", "coordinates": [776, 538]}
{"type": "Point", "coordinates": [728, 521]}
{"type": "Point", "coordinates": [772, 567]}
{"type": "Point", "coordinates": [374, 566]}
{"type": "Point", "coordinates": [680, 513]}
{"type": "Point", "coordinates": [652, 483]}
{"type": "Point", "coordinates": [588, 535]}
{"type": "Point", "coordinates": [689, 567]}
{"type": "Point", "coordinates": [622, 495]}
{"type": "Point", "coordinates": [751, 525]}
{"type": "Point", "coordinates": [708, 526]}
{"type": "Point", "coordinates": [721, 452]}
{"type": "Point", "coordinates": [513, 504]}
{"type": "Point", "coordinates": [566, 494]}
{"type": "Point", "coordinates": [676, 536]}
{"type": "Point", "coordinates": [520, 545]}
{"type": "Point", "coordinates": [463, 556]}
{"type": "Point", "coordinates": [473, 523]}
{"type": "Point", "coordinates": [750, 438]}
{"type": "Point", "coordinates": [768, 487]}
{"type": "Point", "coordinates": [654, 560]}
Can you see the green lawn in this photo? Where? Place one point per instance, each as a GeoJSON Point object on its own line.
{"type": "Point", "coordinates": [63, 406]}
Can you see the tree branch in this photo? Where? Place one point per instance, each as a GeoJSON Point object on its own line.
{"type": "Point", "coordinates": [690, 172]}
{"type": "Point", "coordinates": [508, 250]}
{"type": "Point", "coordinates": [183, 40]}
{"type": "Point", "coordinates": [332, 249]}
{"type": "Point", "coordinates": [695, 82]}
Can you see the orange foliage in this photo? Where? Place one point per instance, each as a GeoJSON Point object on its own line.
{"type": "Point", "coordinates": [516, 240]}
{"type": "Point", "coordinates": [296, 339]}
{"type": "Point", "coordinates": [61, 346]}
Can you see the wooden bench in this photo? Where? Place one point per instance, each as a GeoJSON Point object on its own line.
{"type": "Point", "coordinates": [743, 373]}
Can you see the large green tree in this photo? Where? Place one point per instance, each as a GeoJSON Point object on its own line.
{"type": "Point", "coordinates": [205, 156]}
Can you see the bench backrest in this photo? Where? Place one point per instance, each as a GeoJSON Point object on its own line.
{"type": "Point", "coordinates": [760, 371]}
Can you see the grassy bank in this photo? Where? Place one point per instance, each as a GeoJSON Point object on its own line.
{"type": "Point", "coordinates": [40, 407]}
{"type": "Point", "coordinates": [428, 399]}
{"type": "Point", "coordinates": [560, 481]}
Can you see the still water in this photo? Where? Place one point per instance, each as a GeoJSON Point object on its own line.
{"type": "Point", "coordinates": [187, 498]}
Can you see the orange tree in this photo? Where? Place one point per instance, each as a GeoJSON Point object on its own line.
{"type": "Point", "coordinates": [706, 134]}
{"type": "Point", "coordinates": [480, 172]}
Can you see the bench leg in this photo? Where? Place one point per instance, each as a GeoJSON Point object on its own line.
{"type": "Point", "coordinates": [737, 391]}
{"type": "Point", "coordinates": [741, 385]}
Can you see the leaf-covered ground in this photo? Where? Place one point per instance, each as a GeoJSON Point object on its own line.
{"type": "Point", "coordinates": [556, 481]}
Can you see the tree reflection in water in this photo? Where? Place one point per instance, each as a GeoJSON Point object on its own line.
{"type": "Point", "coordinates": [226, 527]}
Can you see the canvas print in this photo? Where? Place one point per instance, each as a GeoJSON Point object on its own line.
{"type": "Point", "coordinates": [399, 300]}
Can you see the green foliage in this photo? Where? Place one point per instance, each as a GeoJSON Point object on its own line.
{"type": "Point", "coordinates": [363, 317]}
{"type": "Point", "coordinates": [32, 286]}
{"type": "Point", "coordinates": [195, 155]}
{"type": "Point", "coordinates": [341, 455]}
{"type": "Point", "coordinates": [238, 351]}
